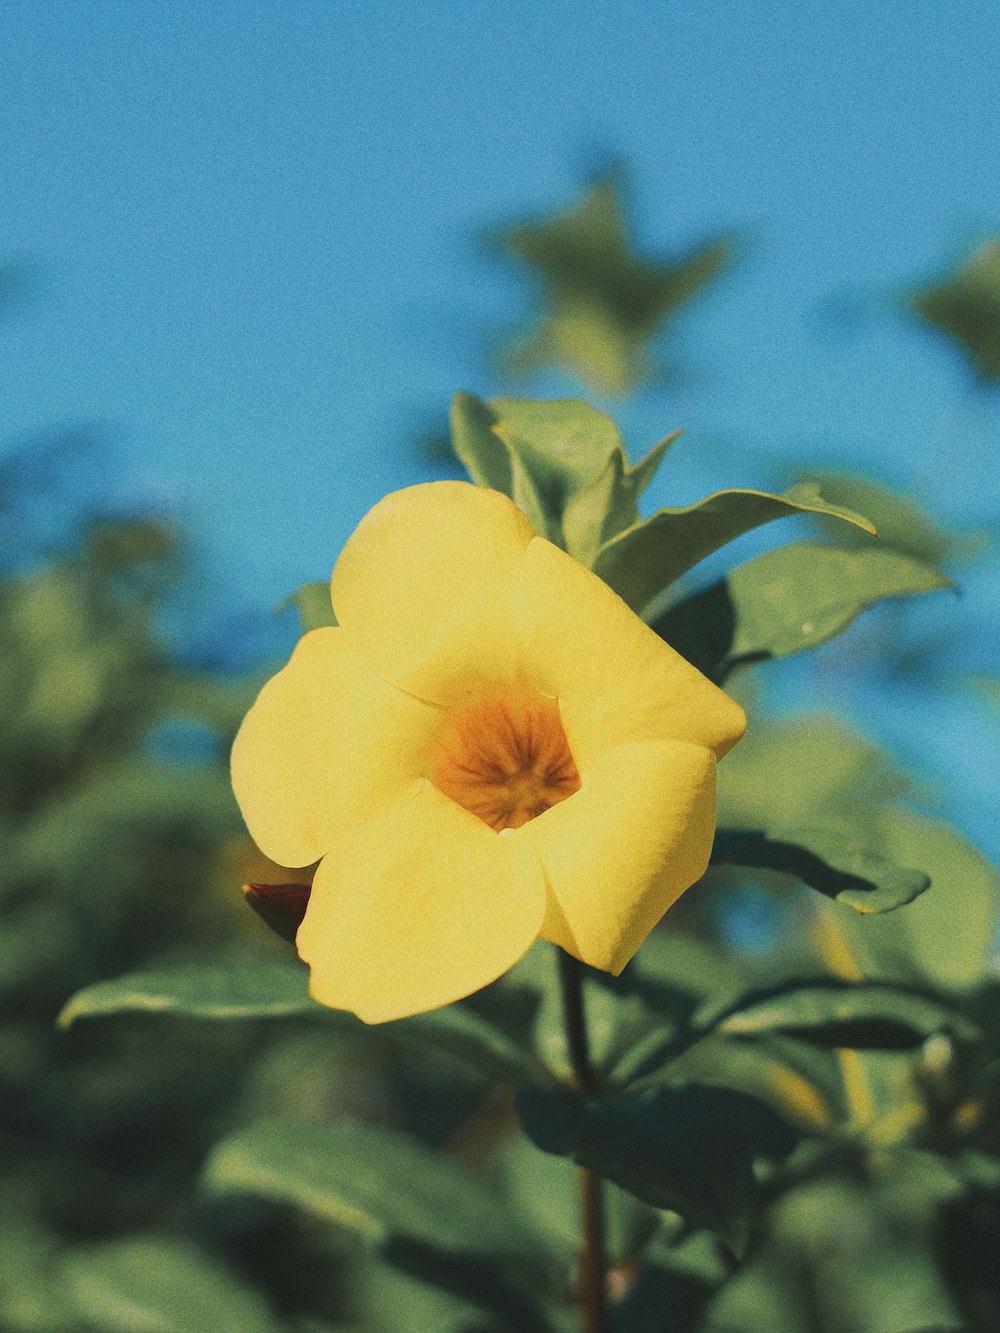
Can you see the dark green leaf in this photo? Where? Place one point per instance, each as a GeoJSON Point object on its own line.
{"type": "Point", "coordinates": [644, 560]}
{"type": "Point", "coordinates": [862, 1015]}
{"type": "Point", "coordinates": [786, 601]}
{"type": "Point", "coordinates": [160, 1285]}
{"type": "Point", "coordinates": [369, 1180]}
{"type": "Point", "coordinates": [827, 859]}
{"type": "Point", "coordinates": [691, 1149]}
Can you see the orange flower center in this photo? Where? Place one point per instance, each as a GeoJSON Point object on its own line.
{"type": "Point", "coordinates": [505, 759]}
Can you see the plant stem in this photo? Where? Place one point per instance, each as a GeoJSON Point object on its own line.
{"type": "Point", "coordinates": [591, 1288]}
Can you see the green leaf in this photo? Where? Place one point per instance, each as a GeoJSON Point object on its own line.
{"type": "Point", "coordinates": [264, 990]}
{"type": "Point", "coordinates": [491, 461]}
{"type": "Point", "coordinates": [786, 601]}
{"type": "Point", "coordinates": [862, 1015]}
{"type": "Point", "coordinates": [544, 1191]}
{"type": "Point", "coordinates": [279, 990]}
{"type": "Point", "coordinates": [691, 1149]}
{"type": "Point", "coordinates": [645, 559]}
{"type": "Point", "coordinates": [33, 1298]}
{"type": "Point", "coordinates": [827, 859]}
{"type": "Point", "coordinates": [840, 1252]}
{"type": "Point", "coordinates": [401, 1292]}
{"type": "Point", "coordinates": [602, 304]}
{"type": "Point", "coordinates": [966, 307]}
{"type": "Point", "coordinates": [468, 1036]}
{"type": "Point", "coordinates": [608, 504]}
{"type": "Point", "coordinates": [804, 772]}
{"type": "Point", "coordinates": [903, 525]}
{"type": "Point", "coordinates": [561, 461]}
{"type": "Point", "coordinates": [160, 1285]}
{"type": "Point", "coordinates": [948, 937]}
{"type": "Point", "coordinates": [312, 602]}
{"type": "Point", "coordinates": [369, 1180]}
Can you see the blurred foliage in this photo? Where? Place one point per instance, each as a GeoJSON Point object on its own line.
{"type": "Point", "coordinates": [602, 306]}
{"type": "Point", "coordinates": [966, 308]}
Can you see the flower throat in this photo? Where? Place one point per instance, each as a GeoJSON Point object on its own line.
{"type": "Point", "coordinates": [505, 759]}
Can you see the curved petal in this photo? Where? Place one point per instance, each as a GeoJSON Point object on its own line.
{"type": "Point", "coordinates": [326, 745]}
{"type": "Point", "coordinates": [623, 849]}
{"type": "Point", "coordinates": [424, 588]}
{"type": "Point", "coordinates": [418, 908]}
{"type": "Point", "coordinates": [616, 681]}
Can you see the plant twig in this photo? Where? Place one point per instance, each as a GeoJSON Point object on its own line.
{"type": "Point", "coordinates": [593, 1263]}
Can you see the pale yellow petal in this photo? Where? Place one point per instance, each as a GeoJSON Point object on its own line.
{"type": "Point", "coordinates": [424, 588]}
{"type": "Point", "coordinates": [623, 849]}
{"type": "Point", "coordinates": [616, 681]}
{"type": "Point", "coordinates": [326, 745]}
{"type": "Point", "coordinates": [418, 908]}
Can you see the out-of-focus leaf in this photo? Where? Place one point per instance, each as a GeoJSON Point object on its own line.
{"type": "Point", "coordinates": [279, 990]}
{"type": "Point", "coordinates": [678, 1274]}
{"type": "Point", "coordinates": [645, 559]}
{"type": "Point", "coordinates": [827, 859]}
{"type": "Point", "coordinates": [841, 1253]}
{"type": "Point", "coordinates": [902, 524]}
{"type": "Point", "coordinates": [375, 1183]}
{"type": "Point", "coordinates": [603, 306]}
{"type": "Point", "coordinates": [160, 1285]}
{"type": "Point", "coordinates": [948, 937]}
{"type": "Point", "coordinates": [32, 1294]}
{"type": "Point", "coordinates": [470, 1037]}
{"type": "Point", "coordinates": [264, 990]}
{"type": "Point", "coordinates": [544, 1190]}
{"type": "Point", "coordinates": [673, 971]}
{"type": "Point", "coordinates": [691, 1149]}
{"type": "Point", "coordinates": [812, 771]}
{"type": "Point", "coordinates": [312, 602]}
{"type": "Point", "coordinates": [966, 307]}
{"type": "Point", "coordinates": [456, 1295]}
{"type": "Point", "coordinates": [786, 601]}
{"type": "Point", "coordinates": [561, 461]}
{"type": "Point", "coordinates": [829, 1013]}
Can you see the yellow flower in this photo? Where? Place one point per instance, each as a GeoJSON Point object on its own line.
{"type": "Point", "coordinates": [490, 748]}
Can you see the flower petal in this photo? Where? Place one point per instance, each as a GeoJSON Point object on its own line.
{"type": "Point", "coordinates": [326, 745]}
{"type": "Point", "coordinates": [424, 588]}
{"type": "Point", "coordinates": [419, 908]}
{"type": "Point", "coordinates": [616, 681]}
{"type": "Point", "coordinates": [623, 849]}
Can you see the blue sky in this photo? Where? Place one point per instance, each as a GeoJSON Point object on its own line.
{"type": "Point", "coordinates": [250, 231]}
